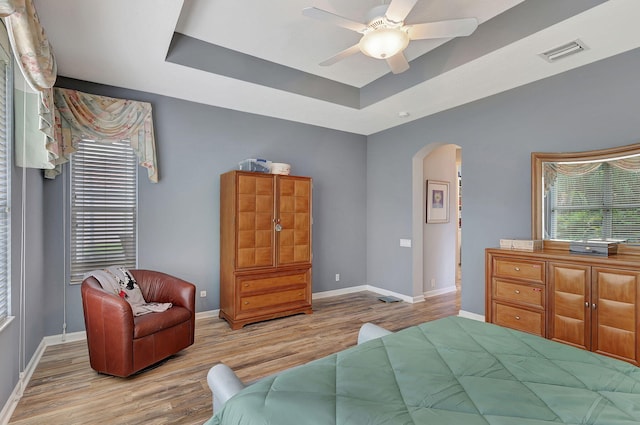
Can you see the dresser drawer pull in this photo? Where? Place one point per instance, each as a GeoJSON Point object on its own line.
{"type": "Point", "coordinates": [246, 285]}
{"type": "Point", "coordinates": [517, 291]}
{"type": "Point", "coordinates": [246, 303]}
{"type": "Point", "coordinates": [586, 304]}
{"type": "Point", "coordinates": [517, 269]}
{"type": "Point", "coordinates": [517, 317]}
{"type": "Point", "coordinates": [593, 306]}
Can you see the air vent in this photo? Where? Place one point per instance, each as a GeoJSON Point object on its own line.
{"type": "Point", "coordinates": [563, 51]}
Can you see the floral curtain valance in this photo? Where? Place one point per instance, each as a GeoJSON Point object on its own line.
{"type": "Point", "coordinates": [29, 43]}
{"type": "Point", "coordinates": [552, 169]}
{"type": "Point", "coordinates": [35, 58]}
{"type": "Point", "coordinates": [104, 119]}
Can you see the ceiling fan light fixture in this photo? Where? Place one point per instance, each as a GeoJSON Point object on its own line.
{"type": "Point", "coordinates": [383, 43]}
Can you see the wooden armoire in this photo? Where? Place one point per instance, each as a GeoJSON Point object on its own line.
{"type": "Point", "coordinates": [265, 246]}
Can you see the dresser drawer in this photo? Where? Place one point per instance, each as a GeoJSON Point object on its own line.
{"type": "Point", "coordinates": [520, 269]}
{"type": "Point", "coordinates": [519, 293]}
{"type": "Point", "coordinates": [520, 319]}
{"type": "Point", "coordinates": [273, 300]}
{"type": "Point", "coordinates": [248, 284]}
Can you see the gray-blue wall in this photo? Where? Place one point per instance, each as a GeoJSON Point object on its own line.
{"type": "Point", "coordinates": [593, 107]}
{"type": "Point", "coordinates": [179, 216]}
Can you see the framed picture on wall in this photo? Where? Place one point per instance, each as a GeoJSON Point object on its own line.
{"type": "Point", "coordinates": [437, 201]}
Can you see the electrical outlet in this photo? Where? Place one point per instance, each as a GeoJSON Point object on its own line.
{"type": "Point", "coordinates": [337, 277]}
{"type": "Point", "coordinates": [203, 294]}
{"type": "Point", "coordinates": [405, 243]}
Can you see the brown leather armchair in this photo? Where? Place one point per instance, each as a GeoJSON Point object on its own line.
{"type": "Point", "coordinates": [120, 343]}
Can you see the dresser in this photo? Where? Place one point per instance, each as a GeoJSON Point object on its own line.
{"type": "Point", "coordinates": [265, 246]}
{"type": "Point", "coordinates": [586, 301]}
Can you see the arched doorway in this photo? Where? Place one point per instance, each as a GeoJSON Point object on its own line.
{"type": "Point", "coordinates": [436, 253]}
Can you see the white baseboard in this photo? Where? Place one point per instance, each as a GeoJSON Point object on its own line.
{"type": "Point", "coordinates": [22, 383]}
{"type": "Point", "coordinates": [336, 292]}
{"type": "Point", "coordinates": [207, 314]}
{"type": "Point", "coordinates": [469, 315]}
{"type": "Point", "coordinates": [380, 291]}
{"type": "Point", "coordinates": [440, 291]}
{"type": "Point", "coordinates": [64, 338]}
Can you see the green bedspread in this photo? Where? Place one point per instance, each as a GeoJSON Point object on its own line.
{"type": "Point", "coordinates": [447, 372]}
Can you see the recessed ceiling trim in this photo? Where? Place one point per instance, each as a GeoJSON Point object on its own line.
{"type": "Point", "coordinates": [191, 52]}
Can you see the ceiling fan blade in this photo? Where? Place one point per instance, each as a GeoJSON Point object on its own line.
{"type": "Point", "coordinates": [323, 15]}
{"type": "Point", "coordinates": [399, 9]}
{"type": "Point", "coordinates": [398, 63]}
{"type": "Point", "coordinates": [443, 29]}
{"type": "Point", "coordinates": [343, 54]}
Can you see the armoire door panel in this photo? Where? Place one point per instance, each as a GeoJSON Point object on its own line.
{"type": "Point", "coordinates": [286, 237]}
{"type": "Point", "coordinates": [287, 187]}
{"type": "Point", "coordinates": [302, 188]}
{"type": "Point", "coordinates": [246, 220]}
{"type": "Point", "coordinates": [264, 239]}
{"type": "Point", "coordinates": [301, 238]}
{"type": "Point", "coordinates": [255, 221]}
{"type": "Point", "coordinates": [287, 204]}
{"type": "Point", "coordinates": [286, 255]}
{"type": "Point", "coordinates": [294, 213]}
{"type": "Point", "coordinates": [287, 220]}
{"type": "Point", "coordinates": [301, 204]}
{"type": "Point", "coordinates": [264, 204]}
{"type": "Point", "coordinates": [302, 221]}
{"type": "Point", "coordinates": [247, 203]}
{"type": "Point", "coordinates": [301, 253]}
{"type": "Point", "coordinates": [264, 185]}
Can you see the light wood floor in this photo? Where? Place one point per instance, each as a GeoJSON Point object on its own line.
{"type": "Point", "coordinates": [65, 390]}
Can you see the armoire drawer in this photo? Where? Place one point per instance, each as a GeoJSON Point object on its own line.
{"type": "Point", "coordinates": [249, 284]}
{"type": "Point", "coordinates": [519, 269]}
{"type": "Point", "coordinates": [272, 300]}
{"type": "Point", "coordinates": [532, 295]}
{"type": "Point", "coordinates": [519, 318]}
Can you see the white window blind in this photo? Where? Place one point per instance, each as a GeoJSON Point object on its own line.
{"type": "Point", "coordinates": [5, 211]}
{"type": "Point", "coordinates": [103, 207]}
{"type": "Point", "coordinates": [601, 204]}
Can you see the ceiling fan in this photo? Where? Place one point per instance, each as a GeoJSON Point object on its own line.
{"type": "Point", "coordinates": [385, 35]}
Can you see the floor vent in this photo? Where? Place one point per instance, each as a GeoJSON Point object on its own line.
{"type": "Point", "coordinates": [563, 51]}
{"type": "Point", "coordinates": [389, 299]}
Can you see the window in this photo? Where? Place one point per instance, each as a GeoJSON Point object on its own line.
{"type": "Point", "coordinates": [103, 207]}
{"type": "Point", "coordinates": [599, 200]}
{"type": "Point", "coordinates": [5, 184]}
{"type": "Point", "coordinates": [587, 195]}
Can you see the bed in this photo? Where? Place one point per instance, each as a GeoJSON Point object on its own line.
{"type": "Point", "coordinates": [445, 372]}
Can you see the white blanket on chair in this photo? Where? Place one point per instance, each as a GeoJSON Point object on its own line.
{"type": "Point", "coordinates": [120, 281]}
